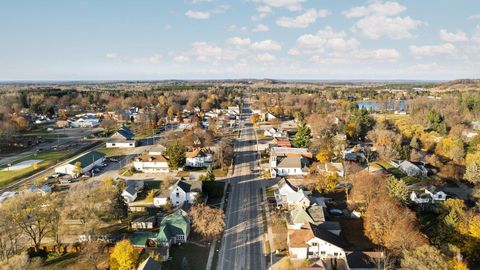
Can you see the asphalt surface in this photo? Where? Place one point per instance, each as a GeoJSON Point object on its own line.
{"type": "Point", "coordinates": [242, 243]}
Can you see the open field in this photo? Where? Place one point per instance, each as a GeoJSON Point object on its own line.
{"type": "Point", "coordinates": [48, 158]}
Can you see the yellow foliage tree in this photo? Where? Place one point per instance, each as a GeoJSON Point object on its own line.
{"type": "Point", "coordinates": [325, 154]}
{"type": "Point", "coordinates": [123, 257]}
{"type": "Point", "coordinates": [456, 264]}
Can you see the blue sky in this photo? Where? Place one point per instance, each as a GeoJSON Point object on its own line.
{"type": "Point", "coordinates": [215, 39]}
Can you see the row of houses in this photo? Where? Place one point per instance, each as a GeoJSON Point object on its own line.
{"type": "Point", "coordinates": [311, 236]}
{"type": "Point", "coordinates": [156, 161]}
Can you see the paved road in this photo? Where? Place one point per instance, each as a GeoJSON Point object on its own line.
{"type": "Point", "coordinates": [242, 243]}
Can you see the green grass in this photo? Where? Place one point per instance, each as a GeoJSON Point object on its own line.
{"type": "Point", "coordinates": [114, 152]}
{"type": "Point", "coordinates": [391, 169]}
{"type": "Point", "coordinates": [48, 158]}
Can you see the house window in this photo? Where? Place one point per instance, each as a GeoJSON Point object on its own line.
{"type": "Point", "coordinates": [314, 244]}
{"type": "Point", "coordinates": [322, 252]}
{"type": "Point", "coordinates": [335, 253]}
{"type": "Point", "coordinates": [178, 194]}
{"type": "Point", "coordinates": [113, 144]}
{"type": "Point", "coordinates": [181, 237]}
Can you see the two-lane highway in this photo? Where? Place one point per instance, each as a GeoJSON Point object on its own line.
{"type": "Point", "coordinates": [242, 243]}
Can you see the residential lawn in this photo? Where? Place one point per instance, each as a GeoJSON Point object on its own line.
{"type": "Point", "coordinates": [390, 168]}
{"type": "Point", "coordinates": [183, 174]}
{"type": "Point", "coordinates": [114, 152]}
{"type": "Point", "coordinates": [195, 253]}
{"type": "Point", "coordinates": [261, 134]}
{"type": "Point", "coordinates": [60, 263]}
{"type": "Point", "coordinates": [48, 158]}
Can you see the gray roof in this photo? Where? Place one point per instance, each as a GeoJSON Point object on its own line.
{"type": "Point", "coordinates": [149, 264]}
{"type": "Point", "coordinates": [290, 162]}
{"type": "Point", "coordinates": [131, 189]}
{"type": "Point", "coordinates": [189, 186]}
{"type": "Point", "coordinates": [328, 236]}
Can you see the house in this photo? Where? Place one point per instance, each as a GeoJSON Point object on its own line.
{"type": "Point", "coordinates": [311, 242]}
{"type": "Point", "coordinates": [185, 192]}
{"type": "Point", "coordinates": [174, 228]}
{"type": "Point", "coordinates": [161, 198]}
{"type": "Point", "coordinates": [143, 222]}
{"type": "Point", "coordinates": [198, 158]}
{"type": "Point", "coordinates": [285, 161]}
{"type": "Point", "coordinates": [282, 142]}
{"type": "Point", "coordinates": [130, 192]}
{"type": "Point", "coordinates": [332, 168]}
{"type": "Point", "coordinates": [298, 216]}
{"type": "Point", "coordinates": [411, 169]}
{"type": "Point", "coordinates": [151, 163]}
{"type": "Point", "coordinates": [122, 138]}
{"type": "Point", "coordinates": [429, 195]}
{"type": "Point", "coordinates": [291, 166]}
{"type": "Point", "coordinates": [149, 264]}
{"type": "Point", "coordinates": [288, 195]}
{"type": "Point", "coordinates": [85, 122]}
{"type": "Point", "coordinates": [87, 162]}
{"type": "Point", "coordinates": [267, 117]}
{"type": "Point", "coordinates": [273, 132]}
{"type": "Point", "coordinates": [354, 155]}
{"type": "Point", "coordinates": [44, 190]}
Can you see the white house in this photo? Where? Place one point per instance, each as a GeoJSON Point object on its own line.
{"type": "Point", "coordinates": [198, 158]}
{"type": "Point", "coordinates": [87, 162]}
{"type": "Point", "coordinates": [6, 195]}
{"type": "Point", "coordinates": [273, 132]}
{"type": "Point", "coordinates": [314, 242]}
{"type": "Point", "coordinates": [129, 194]}
{"type": "Point", "coordinates": [286, 161]}
{"type": "Point", "coordinates": [332, 168]}
{"type": "Point", "coordinates": [289, 196]}
{"type": "Point", "coordinates": [161, 198]}
{"type": "Point", "coordinates": [181, 192]}
{"type": "Point", "coordinates": [85, 123]}
{"type": "Point", "coordinates": [151, 164]}
{"type": "Point", "coordinates": [411, 169]}
{"type": "Point", "coordinates": [268, 117]}
{"type": "Point", "coordinates": [122, 138]}
{"type": "Point", "coordinates": [428, 196]}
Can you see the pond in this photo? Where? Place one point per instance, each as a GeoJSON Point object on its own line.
{"type": "Point", "coordinates": [376, 106]}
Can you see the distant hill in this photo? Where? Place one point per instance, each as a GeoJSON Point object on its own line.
{"type": "Point", "coordinates": [459, 85]}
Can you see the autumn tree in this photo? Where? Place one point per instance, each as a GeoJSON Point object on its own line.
{"type": "Point", "coordinates": [92, 254]}
{"type": "Point", "coordinates": [176, 155]}
{"type": "Point", "coordinates": [367, 187]}
{"type": "Point", "coordinates": [423, 257]}
{"type": "Point", "coordinates": [326, 183]}
{"type": "Point", "coordinates": [386, 142]}
{"type": "Point", "coordinates": [451, 148]}
{"type": "Point", "coordinates": [34, 221]}
{"type": "Point", "coordinates": [325, 153]}
{"type": "Point", "coordinates": [389, 224]}
{"type": "Point", "coordinates": [207, 221]}
{"type": "Point", "coordinates": [358, 124]}
{"type": "Point", "coordinates": [123, 256]}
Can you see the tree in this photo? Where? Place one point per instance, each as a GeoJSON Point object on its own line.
{"type": "Point", "coordinates": [176, 155]}
{"type": "Point", "coordinates": [389, 224]}
{"type": "Point", "coordinates": [386, 142]}
{"type": "Point", "coordinates": [358, 124]}
{"type": "Point", "coordinates": [33, 214]}
{"type": "Point", "coordinates": [472, 173]}
{"type": "Point", "coordinates": [123, 257]}
{"type": "Point", "coordinates": [424, 257]}
{"type": "Point", "coordinates": [20, 261]}
{"type": "Point", "coordinates": [92, 254]}
{"type": "Point", "coordinates": [456, 264]}
{"type": "Point", "coordinates": [255, 118]}
{"type": "Point", "coordinates": [108, 124]}
{"type": "Point", "coordinates": [397, 189]}
{"type": "Point", "coordinates": [209, 176]}
{"type": "Point", "coordinates": [325, 153]}
{"type": "Point", "coordinates": [436, 122]}
{"type": "Point", "coordinates": [451, 148]}
{"type": "Point", "coordinates": [303, 136]}
{"type": "Point", "coordinates": [367, 187]}
{"type": "Point", "coordinates": [326, 183]}
{"type": "Point", "coordinates": [78, 168]}
{"type": "Point", "coordinates": [208, 222]}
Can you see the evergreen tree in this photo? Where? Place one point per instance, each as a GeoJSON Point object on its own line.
{"type": "Point", "coordinates": [176, 155]}
{"type": "Point", "coordinates": [397, 189]}
{"type": "Point", "coordinates": [303, 136]}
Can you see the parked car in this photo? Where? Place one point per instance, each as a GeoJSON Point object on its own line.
{"type": "Point", "coordinates": [113, 160]}
{"type": "Point", "coordinates": [65, 181]}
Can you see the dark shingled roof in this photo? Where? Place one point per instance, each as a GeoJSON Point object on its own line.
{"type": "Point", "coordinates": [88, 158]}
{"type": "Point", "coordinates": [190, 185]}
{"type": "Point", "coordinates": [149, 264]}
{"type": "Point", "coordinates": [329, 237]}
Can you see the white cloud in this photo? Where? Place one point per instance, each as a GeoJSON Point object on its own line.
{"type": "Point", "coordinates": [221, 9]}
{"type": "Point", "coordinates": [204, 51]}
{"type": "Point", "coordinates": [111, 55]}
{"type": "Point", "coordinates": [261, 28]}
{"type": "Point", "coordinates": [378, 8]}
{"type": "Point", "coordinates": [201, 1]}
{"type": "Point", "coordinates": [394, 27]}
{"type": "Point", "coordinates": [379, 19]}
{"type": "Point", "coordinates": [265, 57]}
{"type": "Point", "coordinates": [474, 17]}
{"type": "Point", "coordinates": [453, 37]}
{"type": "Point", "coordinates": [199, 15]}
{"type": "Point", "coordinates": [432, 50]}
{"type": "Point", "coordinates": [152, 59]}
{"type": "Point", "coordinates": [181, 58]}
{"type": "Point", "coordinates": [302, 20]}
{"type": "Point", "coordinates": [264, 9]}
{"type": "Point", "coordinates": [379, 54]}
{"type": "Point", "coordinates": [266, 45]}
{"type": "Point", "coordinates": [327, 38]}
{"type": "Point", "coordinates": [294, 52]}
{"type": "Point", "coordinates": [476, 35]}
{"type": "Point", "coordinates": [292, 5]}
{"type": "Point", "coordinates": [238, 41]}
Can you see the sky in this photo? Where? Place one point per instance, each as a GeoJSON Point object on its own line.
{"type": "Point", "coordinates": [220, 39]}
